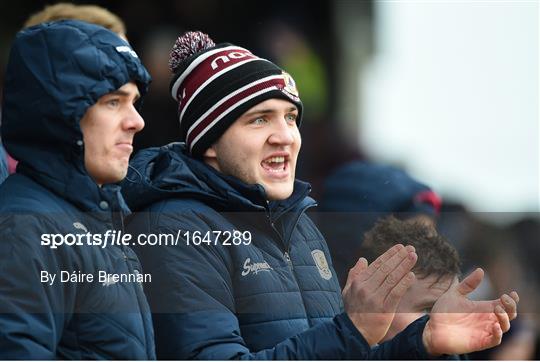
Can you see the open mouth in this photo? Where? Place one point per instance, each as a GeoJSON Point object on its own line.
{"type": "Point", "coordinates": [275, 164]}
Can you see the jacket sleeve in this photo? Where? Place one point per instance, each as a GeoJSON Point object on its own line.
{"type": "Point", "coordinates": [407, 345]}
{"type": "Point", "coordinates": [31, 312]}
{"type": "Point", "coordinates": [193, 305]}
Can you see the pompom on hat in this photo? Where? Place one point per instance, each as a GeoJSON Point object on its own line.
{"type": "Point", "coordinates": [215, 84]}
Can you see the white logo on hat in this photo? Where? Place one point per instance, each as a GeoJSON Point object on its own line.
{"type": "Point", "coordinates": [231, 55]}
{"type": "Point", "coordinates": [290, 87]}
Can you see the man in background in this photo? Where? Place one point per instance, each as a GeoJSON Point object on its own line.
{"type": "Point", "coordinates": [356, 195]}
{"type": "Point", "coordinates": [437, 268]}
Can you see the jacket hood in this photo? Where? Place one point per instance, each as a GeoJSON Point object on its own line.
{"type": "Point", "coordinates": [55, 72]}
{"type": "Point", "coordinates": [157, 174]}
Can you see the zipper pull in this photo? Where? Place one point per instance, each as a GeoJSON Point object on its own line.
{"type": "Point", "coordinates": [288, 259]}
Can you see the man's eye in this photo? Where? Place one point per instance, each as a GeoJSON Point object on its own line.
{"type": "Point", "coordinates": [291, 117]}
{"type": "Point", "coordinates": [258, 121]}
{"type": "Point", "coordinates": [113, 102]}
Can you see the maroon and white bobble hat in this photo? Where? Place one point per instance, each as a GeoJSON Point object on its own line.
{"type": "Point", "coordinates": [215, 84]}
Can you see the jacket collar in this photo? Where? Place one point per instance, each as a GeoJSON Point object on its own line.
{"type": "Point", "coordinates": [168, 172]}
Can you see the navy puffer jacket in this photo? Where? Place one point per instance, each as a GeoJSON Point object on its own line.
{"type": "Point", "coordinates": [275, 298]}
{"type": "Point", "coordinates": [55, 72]}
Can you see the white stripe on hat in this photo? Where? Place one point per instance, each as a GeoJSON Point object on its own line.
{"type": "Point", "coordinates": [240, 102]}
{"type": "Point", "coordinates": [195, 63]}
{"type": "Point", "coordinates": [229, 96]}
{"type": "Point", "coordinates": [209, 80]}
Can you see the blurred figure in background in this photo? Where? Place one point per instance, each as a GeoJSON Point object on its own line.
{"type": "Point", "coordinates": [356, 195]}
{"type": "Point", "coordinates": [90, 13]}
{"type": "Point", "coordinates": [290, 49]}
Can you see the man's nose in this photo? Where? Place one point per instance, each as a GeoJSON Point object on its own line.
{"type": "Point", "coordinates": [282, 133]}
{"type": "Point", "coordinates": [133, 120]}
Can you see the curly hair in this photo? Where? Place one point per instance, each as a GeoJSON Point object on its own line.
{"type": "Point", "coordinates": [436, 256]}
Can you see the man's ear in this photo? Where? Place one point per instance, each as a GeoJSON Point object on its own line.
{"type": "Point", "coordinates": [210, 152]}
{"type": "Point", "coordinates": [210, 157]}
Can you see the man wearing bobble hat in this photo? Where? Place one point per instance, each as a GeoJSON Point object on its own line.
{"type": "Point", "coordinates": [249, 275]}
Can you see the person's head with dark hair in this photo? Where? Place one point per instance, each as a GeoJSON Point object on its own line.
{"type": "Point", "coordinates": [438, 265]}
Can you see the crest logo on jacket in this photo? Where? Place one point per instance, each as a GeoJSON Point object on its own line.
{"type": "Point", "coordinates": [255, 268]}
{"type": "Point", "coordinates": [322, 264]}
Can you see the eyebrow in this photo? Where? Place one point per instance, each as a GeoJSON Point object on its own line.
{"type": "Point", "coordinates": [122, 93]}
{"type": "Point", "coordinates": [269, 110]}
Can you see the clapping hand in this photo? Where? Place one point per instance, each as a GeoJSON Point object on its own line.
{"type": "Point", "coordinates": [459, 325]}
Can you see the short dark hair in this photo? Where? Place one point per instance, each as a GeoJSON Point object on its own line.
{"type": "Point", "coordinates": [436, 256]}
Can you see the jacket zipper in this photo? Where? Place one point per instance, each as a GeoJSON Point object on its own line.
{"type": "Point", "coordinates": [286, 254]}
{"type": "Point", "coordinates": [287, 258]}
{"type": "Point", "coordinates": [289, 262]}
{"type": "Point", "coordinates": [138, 291]}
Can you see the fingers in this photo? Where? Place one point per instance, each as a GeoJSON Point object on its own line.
{"type": "Point", "coordinates": [381, 260]}
{"type": "Point", "coordinates": [496, 336]}
{"type": "Point", "coordinates": [505, 311]}
{"type": "Point", "coordinates": [387, 278]}
{"type": "Point", "coordinates": [360, 265]}
{"type": "Point", "coordinates": [396, 276]}
{"type": "Point", "coordinates": [471, 282]}
{"type": "Point", "coordinates": [503, 319]}
{"type": "Point", "coordinates": [395, 295]}
{"type": "Point", "coordinates": [510, 305]}
{"type": "Point", "coordinates": [514, 295]}
{"type": "Point", "coordinates": [394, 269]}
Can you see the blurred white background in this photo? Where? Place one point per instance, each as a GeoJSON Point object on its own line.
{"type": "Point", "coordinates": [452, 95]}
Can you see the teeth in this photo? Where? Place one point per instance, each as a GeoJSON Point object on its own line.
{"type": "Point", "coordinates": [279, 159]}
